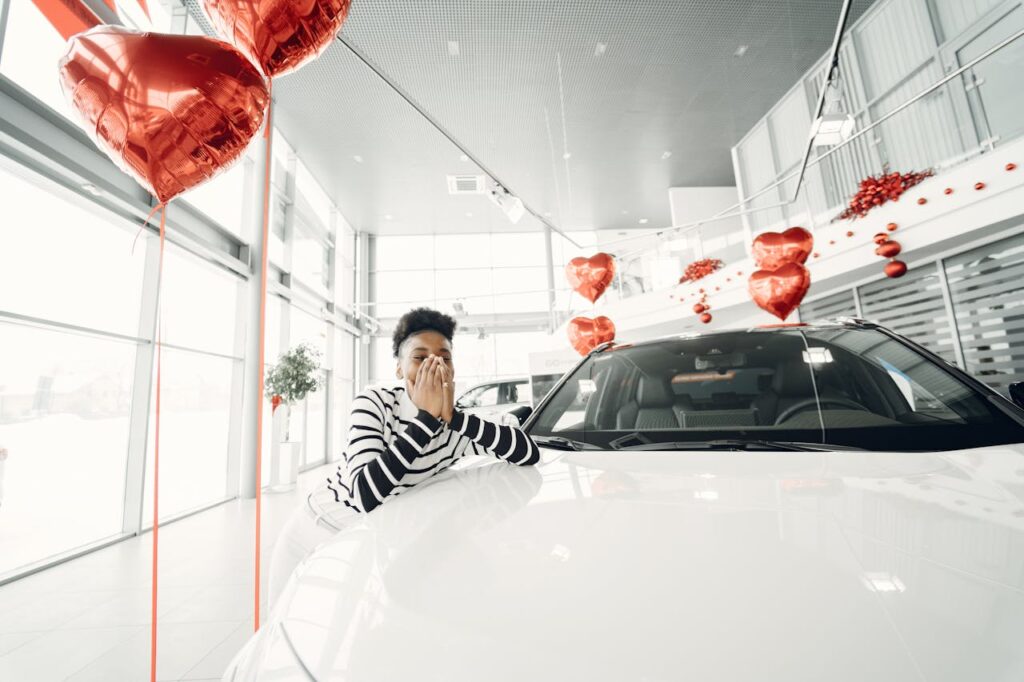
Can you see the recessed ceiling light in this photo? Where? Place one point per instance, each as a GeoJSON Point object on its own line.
{"type": "Point", "coordinates": [453, 48]}
{"type": "Point", "coordinates": [666, 154]}
{"type": "Point", "coordinates": [388, 216]}
{"type": "Point", "coordinates": [600, 49]}
{"type": "Point", "coordinates": [567, 156]}
{"type": "Point", "coordinates": [643, 221]}
{"type": "Point", "coordinates": [463, 158]}
{"type": "Point", "coordinates": [357, 158]}
{"type": "Point", "coordinates": [741, 50]}
{"type": "Point", "coordinates": [469, 215]}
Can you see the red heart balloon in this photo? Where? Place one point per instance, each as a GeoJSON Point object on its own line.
{"type": "Point", "coordinates": [773, 249]}
{"type": "Point", "coordinates": [591, 276]}
{"type": "Point", "coordinates": [173, 111]}
{"type": "Point", "coordinates": [279, 35]}
{"type": "Point", "coordinates": [586, 334]}
{"type": "Point", "coordinates": [780, 291]}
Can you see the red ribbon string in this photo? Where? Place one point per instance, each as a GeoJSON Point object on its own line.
{"type": "Point", "coordinates": [260, 361]}
{"type": "Point", "coordinates": [67, 16]}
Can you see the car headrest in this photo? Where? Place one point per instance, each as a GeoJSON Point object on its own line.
{"type": "Point", "coordinates": [793, 379]}
{"type": "Point", "coordinates": [654, 393]}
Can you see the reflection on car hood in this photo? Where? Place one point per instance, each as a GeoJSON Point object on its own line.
{"type": "Point", "coordinates": [665, 566]}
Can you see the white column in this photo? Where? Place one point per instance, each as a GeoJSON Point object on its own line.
{"type": "Point", "coordinates": [549, 260]}
{"type": "Point", "coordinates": [261, 153]}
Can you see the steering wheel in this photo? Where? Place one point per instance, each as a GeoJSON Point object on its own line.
{"type": "Point", "coordinates": [814, 402]}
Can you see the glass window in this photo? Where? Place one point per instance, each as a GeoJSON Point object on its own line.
{"type": "Point", "coordinates": [517, 249]}
{"type": "Point", "coordinates": [315, 447]}
{"type": "Point", "coordinates": [307, 328]}
{"type": "Point", "coordinates": [32, 49]}
{"type": "Point", "coordinates": [461, 250]}
{"type": "Point", "coordinates": [830, 385]}
{"type": "Point", "coordinates": [474, 286]}
{"type": "Point", "coordinates": [81, 268]}
{"type": "Point", "coordinates": [64, 407]}
{"type": "Point", "coordinates": [997, 100]}
{"type": "Point", "coordinates": [223, 197]}
{"type": "Point", "coordinates": [484, 396]}
{"type": "Point", "coordinates": [311, 261]}
{"type": "Point", "coordinates": [309, 189]}
{"type": "Point", "coordinates": [199, 303]}
{"type": "Point", "coordinates": [519, 392]}
{"type": "Point", "coordinates": [520, 289]}
{"type": "Point", "coordinates": [404, 252]}
{"type": "Point", "coordinates": [512, 351]}
{"type": "Point", "coordinates": [194, 423]}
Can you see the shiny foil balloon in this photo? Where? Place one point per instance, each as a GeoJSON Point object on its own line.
{"type": "Point", "coordinates": [586, 334]}
{"type": "Point", "coordinates": [774, 249]}
{"type": "Point", "coordinates": [171, 110]}
{"type": "Point", "coordinates": [279, 35]}
{"type": "Point", "coordinates": [780, 291]}
{"type": "Point", "coordinates": [591, 276]}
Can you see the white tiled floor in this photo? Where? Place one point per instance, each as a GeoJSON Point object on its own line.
{"type": "Point", "coordinates": [88, 619]}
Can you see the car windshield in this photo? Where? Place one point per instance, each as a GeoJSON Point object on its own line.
{"type": "Point", "coordinates": [845, 386]}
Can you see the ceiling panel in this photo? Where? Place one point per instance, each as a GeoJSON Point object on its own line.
{"type": "Point", "coordinates": [571, 102]}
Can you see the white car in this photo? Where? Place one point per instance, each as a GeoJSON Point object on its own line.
{"type": "Point", "coordinates": [823, 502]}
{"type": "Point", "coordinates": [495, 398]}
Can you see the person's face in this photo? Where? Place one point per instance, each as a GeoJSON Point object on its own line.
{"type": "Point", "coordinates": [417, 348]}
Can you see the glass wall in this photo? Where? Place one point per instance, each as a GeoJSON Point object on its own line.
{"type": "Point", "coordinates": [78, 305]}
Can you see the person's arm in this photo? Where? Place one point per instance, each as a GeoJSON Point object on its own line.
{"type": "Point", "coordinates": [374, 466]}
{"type": "Point", "coordinates": [503, 441]}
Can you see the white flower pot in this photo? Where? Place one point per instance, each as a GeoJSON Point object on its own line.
{"type": "Point", "coordinates": [284, 455]}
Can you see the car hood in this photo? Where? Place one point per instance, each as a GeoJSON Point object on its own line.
{"type": "Point", "coordinates": [673, 565]}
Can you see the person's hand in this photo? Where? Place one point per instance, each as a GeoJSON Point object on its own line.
{"type": "Point", "coordinates": [446, 379]}
{"type": "Point", "coordinates": [425, 389]}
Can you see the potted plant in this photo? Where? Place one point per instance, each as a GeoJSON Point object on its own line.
{"type": "Point", "coordinates": [296, 375]}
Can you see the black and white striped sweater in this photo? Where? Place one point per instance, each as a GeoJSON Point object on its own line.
{"type": "Point", "coordinates": [393, 446]}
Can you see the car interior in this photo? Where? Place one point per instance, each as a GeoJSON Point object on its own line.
{"type": "Point", "coordinates": [785, 380]}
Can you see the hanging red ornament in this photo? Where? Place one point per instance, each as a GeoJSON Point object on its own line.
{"type": "Point", "coordinates": [891, 227]}
{"type": "Point", "coordinates": [700, 269]}
{"type": "Point", "coordinates": [889, 249]}
{"type": "Point", "coordinates": [922, 201]}
{"type": "Point", "coordinates": [705, 318]}
{"type": "Point", "coordinates": [849, 233]}
{"type": "Point", "coordinates": [1011, 166]}
{"type": "Point", "coordinates": [948, 190]}
{"type": "Point", "coordinates": [699, 308]}
{"type": "Point", "coordinates": [591, 276]}
{"type": "Point", "coordinates": [880, 237]}
{"type": "Point", "coordinates": [876, 190]}
{"type": "Point", "coordinates": [895, 269]}
{"type": "Point", "coordinates": [831, 242]}
{"type": "Point", "coordinates": [979, 185]}
{"type": "Point", "coordinates": [816, 254]}
{"type": "Point", "coordinates": [275, 403]}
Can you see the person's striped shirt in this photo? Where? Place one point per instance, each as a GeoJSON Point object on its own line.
{"type": "Point", "coordinates": [393, 446]}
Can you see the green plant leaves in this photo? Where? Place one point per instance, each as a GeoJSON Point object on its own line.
{"type": "Point", "coordinates": [296, 374]}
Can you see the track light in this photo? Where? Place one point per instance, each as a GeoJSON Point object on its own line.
{"type": "Point", "coordinates": [834, 126]}
{"type": "Point", "coordinates": [510, 204]}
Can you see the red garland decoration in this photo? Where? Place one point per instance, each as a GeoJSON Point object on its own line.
{"type": "Point", "coordinates": [876, 190]}
{"type": "Point", "coordinates": [700, 269]}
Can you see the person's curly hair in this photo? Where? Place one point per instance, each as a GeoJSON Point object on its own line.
{"type": "Point", "coordinates": [420, 320]}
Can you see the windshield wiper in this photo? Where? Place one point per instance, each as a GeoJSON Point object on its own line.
{"type": "Point", "coordinates": [739, 444]}
{"type": "Point", "coordinates": [559, 443]}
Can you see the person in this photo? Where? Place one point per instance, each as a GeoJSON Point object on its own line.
{"type": "Point", "coordinates": [399, 438]}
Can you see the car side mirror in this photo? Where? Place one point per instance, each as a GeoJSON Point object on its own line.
{"type": "Point", "coordinates": [522, 413]}
{"type": "Point", "coordinates": [1017, 394]}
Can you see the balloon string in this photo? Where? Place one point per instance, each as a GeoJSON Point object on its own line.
{"type": "Point", "coordinates": [144, 223]}
{"type": "Point", "coordinates": [260, 361]}
{"type": "Point", "coordinates": [156, 445]}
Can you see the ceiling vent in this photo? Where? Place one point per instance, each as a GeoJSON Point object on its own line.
{"type": "Point", "coordinates": [466, 184]}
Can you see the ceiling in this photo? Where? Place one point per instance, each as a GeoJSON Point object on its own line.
{"type": "Point", "coordinates": [577, 130]}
